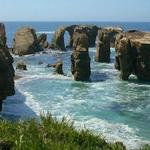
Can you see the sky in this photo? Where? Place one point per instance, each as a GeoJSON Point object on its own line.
{"type": "Point", "coordinates": [75, 10]}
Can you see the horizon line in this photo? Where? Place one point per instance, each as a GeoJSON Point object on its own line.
{"type": "Point", "coordinates": [69, 21]}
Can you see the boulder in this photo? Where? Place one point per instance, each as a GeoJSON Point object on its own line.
{"type": "Point", "coordinates": [42, 40]}
{"type": "Point", "coordinates": [133, 55]}
{"type": "Point", "coordinates": [59, 67]}
{"type": "Point", "coordinates": [25, 42]}
{"type": "Point", "coordinates": [103, 47]}
{"type": "Point", "coordinates": [21, 66]}
{"type": "Point", "coordinates": [80, 60]}
{"type": "Point", "coordinates": [6, 68]}
{"type": "Point", "coordinates": [58, 39]}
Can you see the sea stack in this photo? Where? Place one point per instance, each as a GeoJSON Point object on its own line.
{"type": "Point", "coordinates": [6, 68]}
{"type": "Point", "coordinates": [102, 47]}
{"type": "Point", "coordinates": [80, 60]}
{"type": "Point", "coordinates": [25, 42]}
{"type": "Point", "coordinates": [133, 55]}
{"type": "Point", "coordinates": [58, 39]}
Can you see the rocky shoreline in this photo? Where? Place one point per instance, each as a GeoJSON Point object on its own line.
{"type": "Point", "coordinates": [132, 51]}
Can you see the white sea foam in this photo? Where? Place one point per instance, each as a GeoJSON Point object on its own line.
{"type": "Point", "coordinates": [46, 32]}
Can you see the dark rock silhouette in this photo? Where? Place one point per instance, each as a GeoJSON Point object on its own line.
{"type": "Point", "coordinates": [103, 47]}
{"type": "Point", "coordinates": [25, 42]}
{"type": "Point", "coordinates": [6, 68]}
{"type": "Point", "coordinates": [59, 67]}
{"type": "Point", "coordinates": [21, 66]}
{"type": "Point", "coordinates": [42, 40]}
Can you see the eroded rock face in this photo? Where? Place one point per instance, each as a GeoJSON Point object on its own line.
{"type": "Point", "coordinates": [113, 32]}
{"type": "Point", "coordinates": [80, 60]}
{"type": "Point", "coordinates": [42, 40]}
{"type": "Point", "coordinates": [6, 68]}
{"type": "Point", "coordinates": [90, 31]}
{"type": "Point", "coordinates": [59, 67]}
{"type": "Point", "coordinates": [102, 47]}
{"type": "Point", "coordinates": [2, 35]}
{"type": "Point", "coordinates": [133, 55]}
{"type": "Point", "coordinates": [21, 65]}
{"type": "Point", "coordinates": [25, 42]}
{"type": "Point", "coordinates": [58, 39]}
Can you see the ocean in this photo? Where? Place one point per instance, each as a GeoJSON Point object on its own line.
{"type": "Point", "coordinates": [119, 110]}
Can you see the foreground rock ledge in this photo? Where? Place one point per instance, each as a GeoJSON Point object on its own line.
{"type": "Point", "coordinates": [133, 55]}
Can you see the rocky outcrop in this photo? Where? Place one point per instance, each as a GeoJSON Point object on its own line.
{"type": "Point", "coordinates": [113, 32]}
{"type": "Point", "coordinates": [102, 47]}
{"type": "Point", "coordinates": [133, 55]}
{"type": "Point", "coordinates": [2, 36]}
{"type": "Point", "coordinates": [42, 40]}
{"type": "Point", "coordinates": [25, 42]}
{"type": "Point", "coordinates": [80, 60]}
{"type": "Point", "coordinates": [6, 68]}
{"type": "Point", "coordinates": [58, 39]}
{"type": "Point", "coordinates": [21, 66]}
{"type": "Point", "coordinates": [90, 31]}
{"type": "Point", "coordinates": [59, 67]}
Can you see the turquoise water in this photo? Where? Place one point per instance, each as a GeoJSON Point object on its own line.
{"type": "Point", "coordinates": [120, 110]}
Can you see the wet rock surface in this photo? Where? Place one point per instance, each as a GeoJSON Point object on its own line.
{"type": "Point", "coordinates": [21, 66]}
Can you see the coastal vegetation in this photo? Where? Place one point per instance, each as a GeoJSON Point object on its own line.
{"type": "Point", "coordinates": [50, 133]}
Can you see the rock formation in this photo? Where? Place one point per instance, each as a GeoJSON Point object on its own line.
{"type": "Point", "coordinates": [113, 32]}
{"type": "Point", "coordinates": [90, 31]}
{"type": "Point", "coordinates": [58, 39]}
{"type": "Point", "coordinates": [133, 55]}
{"type": "Point", "coordinates": [21, 66]}
{"type": "Point", "coordinates": [6, 68]}
{"type": "Point", "coordinates": [59, 67]}
{"type": "Point", "coordinates": [25, 42]}
{"type": "Point", "coordinates": [42, 40]}
{"type": "Point", "coordinates": [70, 30]}
{"type": "Point", "coordinates": [102, 47]}
{"type": "Point", "coordinates": [80, 60]}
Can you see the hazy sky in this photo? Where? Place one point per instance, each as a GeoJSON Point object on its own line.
{"type": "Point", "coordinates": [75, 10]}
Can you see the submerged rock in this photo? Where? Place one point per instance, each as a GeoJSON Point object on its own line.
{"type": "Point", "coordinates": [21, 66]}
{"type": "Point", "coordinates": [58, 39]}
{"type": "Point", "coordinates": [25, 42]}
{"type": "Point", "coordinates": [103, 47]}
{"type": "Point", "coordinates": [133, 55]}
{"type": "Point", "coordinates": [6, 68]}
{"type": "Point", "coordinates": [80, 60]}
